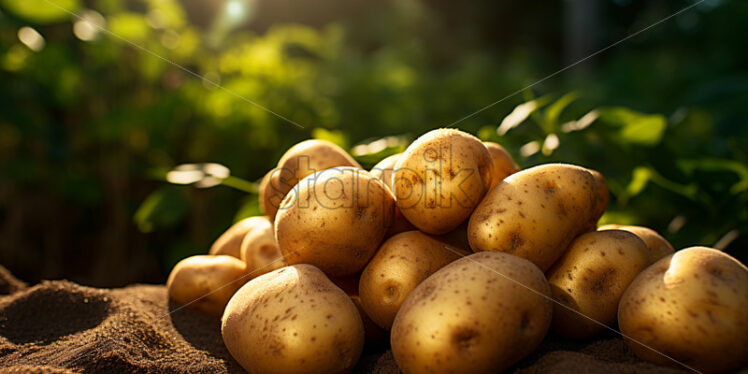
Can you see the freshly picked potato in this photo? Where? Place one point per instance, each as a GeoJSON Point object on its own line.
{"type": "Point", "coordinates": [479, 314]}
{"type": "Point", "coordinates": [535, 213]}
{"type": "Point", "coordinates": [441, 178]}
{"type": "Point", "coordinates": [602, 197]}
{"type": "Point", "coordinates": [260, 251]}
{"type": "Point", "coordinates": [299, 161]}
{"type": "Point", "coordinates": [374, 335]}
{"type": "Point", "coordinates": [503, 164]}
{"type": "Point", "coordinates": [229, 243]}
{"type": "Point", "coordinates": [293, 320]}
{"type": "Point", "coordinates": [590, 278]}
{"type": "Point", "coordinates": [691, 306]}
{"type": "Point", "coordinates": [335, 219]}
{"type": "Point", "coordinates": [400, 264]}
{"type": "Point", "coordinates": [658, 246]}
{"type": "Point", "coordinates": [206, 283]}
{"type": "Point", "coordinates": [384, 169]}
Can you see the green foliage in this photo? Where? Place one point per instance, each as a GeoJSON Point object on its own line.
{"type": "Point", "coordinates": [90, 118]}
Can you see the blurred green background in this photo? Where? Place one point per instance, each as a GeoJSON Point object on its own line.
{"type": "Point", "coordinates": [90, 122]}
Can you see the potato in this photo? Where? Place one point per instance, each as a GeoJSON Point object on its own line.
{"type": "Point", "coordinates": [441, 178]}
{"type": "Point", "coordinates": [335, 219]}
{"type": "Point", "coordinates": [384, 169]}
{"type": "Point", "coordinates": [293, 320]}
{"type": "Point", "coordinates": [602, 196]}
{"type": "Point", "coordinates": [400, 264]}
{"type": "Point", "coordinates": [535, 213]}
{"type": "Point", "coordinates": [658, 246]}
{"type": "Point", "coordinates": [691, 306]}
{"type": "Point", "coordinates": [206, 283]}
{"type": "Point", "coordinates": [229, 243]}
{"type": "Point", "coordinates": [299, 161]}
{"type": "Point", "coordinates": [503, 164]}
{"type": "Point", "coordinates": [374, 335]}
{"type": "Point", "coordinates": [590, 278]}
{"type": "Point", "coordinates": [479, 314]}
{"type": "Point", "coordinates": [260, 251]}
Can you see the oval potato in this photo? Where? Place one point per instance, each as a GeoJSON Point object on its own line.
{"type": "Point", "coordinates": [335, 219]}
{"type": "Point", "coordinates": [691, 306]}
{"type": "Point", "coordinates": [401, 263]}
{"type": "Point", "coordinates": [535, 213]}
{"type": "Point", "coordinates": [441, 178]}
{"type": "Point", "coordinates": [229, 243]}
{"type": "Point", "coordinates": [590, 278]}
{"type": "Point", "coordinates": [293, 320]}
{"type": "Point", "coordinates": [384, 169]}
{"type": "Point", "coordinates": [479, 314]}
{"type": "Point", "coordinates": [206, 283]}
{"type": "Point", "coordinates": [299, 161]}
{"type": "Point", "coordinates": [260, 251]}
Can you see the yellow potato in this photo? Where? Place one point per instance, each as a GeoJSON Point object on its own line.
{"type": "Point", "coordinates": [602, 196]}
{"type": "Point", "coordinates": [535, 213]}
{"type": "Point", "coordinates": [691, 306]}
{"type": "Point", "coordinates": [479, 314]}
{"type": "Point", "coordinates": [260, 251]}
{"type": "Point", "coordinates": [658, 246]}
{"type": "Point", "coordinates": [441, 178]}
{"type": "Point", "coordinates": [229, 243]}
{"type": "Point", "coordinates": [383, 169]}
{"type": "Point", "coordinates": [590, 278]}
{"type": "Point", "coordinates": [400, 264]}
{"type": "Point", "coordinates": [293, 320]}
{"type": "Point", "coordinates": [503, 164]}
{"type": "Point", "coordinates": [299, 161]}
{"type": "Point", "coordinates": [335, 219]}
{"type": "Point", "coordinates": [206, 283]}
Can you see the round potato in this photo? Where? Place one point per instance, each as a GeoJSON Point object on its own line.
{"type": "Point", "coordinates": [293, 320]}
{"type": "Point", "coordinates": [374, 335]}
{"type": "Point", "coordinates": [535, 213]}
{"type": "Point", "coordinates": [658, 246]}
{"type": "Point", "coordinates": [503, 164]}
{"type": "Point", "coordinates": [229, 243]}
{"type": "Point", "coordinates": [691, 306]}
{"type": "Point", "coordinates": [479, 314]}
{"type": "Point", "coordinates": [589, 279]}
{"type": "Point", "coordinates": [335, 219]}
{"type": "Point", "coordinates": [299, 161]}
{"type": "Point", "coordinates": [441, 178]}
{"type": "Point", "coordinates": [383, 169]}
{"type": "Point", "coordinates": [401, 263]}
{"type": "Point", "coordinates": [206, 283]}
{"type": "Point", "coordinates": [260, 251]}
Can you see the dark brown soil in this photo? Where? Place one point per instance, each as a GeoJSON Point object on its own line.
{"type": "Point", "coordinates": [62, 327]}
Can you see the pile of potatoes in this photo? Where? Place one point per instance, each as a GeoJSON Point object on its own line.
{"type": "Point", "coordinates": [465, 261]}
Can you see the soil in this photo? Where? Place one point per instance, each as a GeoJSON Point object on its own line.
{"type": "Point", "coordinates": [63, 327]}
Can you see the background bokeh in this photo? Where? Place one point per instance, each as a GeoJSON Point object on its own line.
{"type": "Point", "coordinates": [91, 122]}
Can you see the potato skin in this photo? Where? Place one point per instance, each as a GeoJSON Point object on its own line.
{"type": "Point", "coordinates": [293, 320]}
{"type": "Point", "coordinates": [335, 219]}
{"type": "Point", "coordinates": [400, 264]}
{"type": "Point", "coordinates": [658, 246]}
{"type": "Point", "coordinates": [467, 318]}
{"type": "Point", "coordinates": [384, 169]}
{"type": "Point", "coordinates": [535, 213]}
{"type": "Point", "coordinates": [206, 283]}
{"type": "Point", "coordinates": [503, 164]}
{"type": "Point", "coordinates": [229, 243]}
{"type": "Point", "coordinates": [590, 278]}
{"type": "Point", "coordinates": [299, 161]}
{"type": "Point", "coordinates": [441, 178]}
{"type": "Point", "coordinates": [260, 251]}
{"type": "Point", "coordinates": [691, 306]}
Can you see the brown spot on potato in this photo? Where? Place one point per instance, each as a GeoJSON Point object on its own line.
{"type": "Point", "coordinates": [465, 338]}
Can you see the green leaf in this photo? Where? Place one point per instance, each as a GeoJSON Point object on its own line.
{"type": "Point", "coordinates": [164, 208]}
{"type": "Point", "coordinates": [636, 128]}
{"type": "Point", "coordinates": [250, 207]}
{"type": "Point", "coordinates": [333, 136]}
{"type": "Point", "coordinates": [41, 11]}
{"type": "Point", "coordinates": [554, 110]}
{"type": "Point", "coordinates": [717, 165]}
{"type": "Point", "coordinates": [520, 113]}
